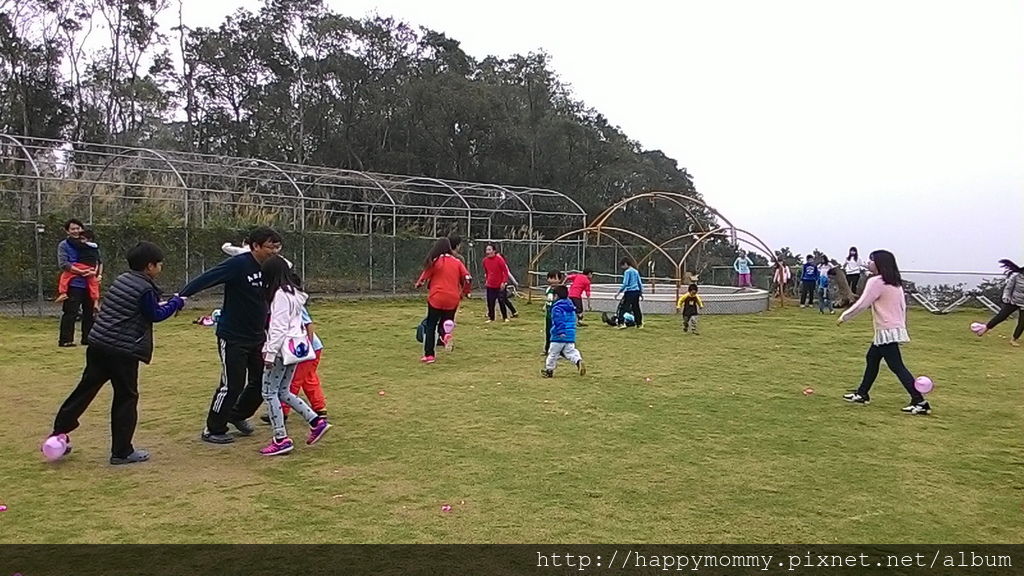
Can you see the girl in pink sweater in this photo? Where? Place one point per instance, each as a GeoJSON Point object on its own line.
{"type": "Point", "coordinates": [883, 293]}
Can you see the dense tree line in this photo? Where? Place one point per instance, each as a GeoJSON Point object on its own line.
{"type": "Point", "coordinates": [298, 82]}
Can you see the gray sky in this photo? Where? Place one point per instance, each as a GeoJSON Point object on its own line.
{"type": "Point", "coordinates": [814, 124]}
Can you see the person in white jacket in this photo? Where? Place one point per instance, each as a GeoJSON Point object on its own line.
{"type": "Point", "coordinates": [285, 329]}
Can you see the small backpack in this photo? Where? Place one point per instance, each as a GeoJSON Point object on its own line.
{"type": "Point", "coordinates": [421, 331]}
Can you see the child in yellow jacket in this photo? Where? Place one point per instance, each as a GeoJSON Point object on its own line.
{"type": "Point", "coordinates": [689, 303]}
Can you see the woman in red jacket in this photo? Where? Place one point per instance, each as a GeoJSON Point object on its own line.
{"type": "Point", "coordinates": [496, 279]}
{"type": "Point", "coordinates": [448, 281]}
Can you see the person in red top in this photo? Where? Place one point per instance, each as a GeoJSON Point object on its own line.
{"type": "Point", "coordinates": [448, 281]}
{"type": "Point", "coordinates": [496, 279]}
{"type": "Point", "coordinates": [579, 284]}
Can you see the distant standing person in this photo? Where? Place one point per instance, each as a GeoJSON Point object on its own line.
{"type": "Point", "coordinates": [78, 300]}
{"type": "Point", "coordinates": [1013, 301]}
{"type": "Point", "coordinates": [496, 279]}
{"type": "Point", "coordinates": [742, 266]}
{"type": "Point", "coordinates": [632, 291]}
{"type": "Point", "coordinates": [241, 333]}
{"type": "Point", "coordinates": [808, 282]}
{"type": "Point", "coordinates": [853, 268]}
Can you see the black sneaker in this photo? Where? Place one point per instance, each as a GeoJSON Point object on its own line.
{"type": "Point", "coordinates": [67, 344]}
{"type": "Point", "coordinates": [243, 427]}
{"type": "Point", "coordinates": [547, 373]}
{"type": "Point", "coordinates": [582, 368]}
{"type": "Point", "coordinates": [320, 413]}
{"type": "Point", "coordinates": [921, 409]}
{"type": "Point", "coordinates": [217, 438]}
{"type": "Point", "coordinates": [857, 398]}
{"type": "Point", "coordinates": [133, 458]}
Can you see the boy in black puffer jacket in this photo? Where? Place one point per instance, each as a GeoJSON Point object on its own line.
{"type": "Point", "coordinates": [121, 338]}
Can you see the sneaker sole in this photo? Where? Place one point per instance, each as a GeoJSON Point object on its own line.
{"type": "Point", "coordinates": [317, 438]}
{"type": "Point", "coordinates": [123, 461]}
{"type": "Point", "coordinates": [209, 440]}
{"type": "Point", "coordinates": [855, 402]}
{"type": "Point", "coordinates": [279, 452]}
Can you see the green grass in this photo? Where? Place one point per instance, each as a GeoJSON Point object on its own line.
{"type": "Point", "coordinates": [719, 446]}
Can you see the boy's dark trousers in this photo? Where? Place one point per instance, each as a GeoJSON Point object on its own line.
{"type": "Point", "coordinates": [122, 371]}
{"type": "Point", "coordinates": [807, 292]}
{"type": "Point", "coordinates": [240, 392]}
{"type": "Point", "coordinates": [547, 332]}
{"type": "Point", "coordinates": [631, 303]}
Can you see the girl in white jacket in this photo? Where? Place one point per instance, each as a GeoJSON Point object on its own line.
{"type": "Point", "coordinates": [286, 302]}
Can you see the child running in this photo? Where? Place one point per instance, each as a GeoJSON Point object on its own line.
{"type": "Point", "coordinates": [579, 284]}
{"type": "Point", "coordinates": [286, 303]}
{"type": "Point", "coordinates": [306, 377]}
{"type": "Point", "coordinates": [121, 338]}
{"type": "Point", "coordinates": [689, 303]}
{"type": "Point", "coordinates": [555, 279]}
{"type": "Point", "coordinates": [563, 334]}
{"type": "Point", "coordinates": [88, 266]}
{"type": "Point", "coordinates": [1013, 301]}
{"type": "Point", "coordinates": [883, 293]}
{"type": "Point", "coordinates": [448, 281]}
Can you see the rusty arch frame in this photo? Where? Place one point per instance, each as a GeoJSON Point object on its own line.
{"type": "Point", "coordinates": [600, 231]}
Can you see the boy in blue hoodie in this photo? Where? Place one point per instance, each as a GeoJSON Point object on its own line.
{"type": "Point", "coordinates": [808, 282]}
{"type": "Point", "coordinates": [563, 334]}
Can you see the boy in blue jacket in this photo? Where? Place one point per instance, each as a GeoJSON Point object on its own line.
{"type": "Point", "coordinates": [808, 282]}
{"type": "Point", "coordinates": [563, 334]}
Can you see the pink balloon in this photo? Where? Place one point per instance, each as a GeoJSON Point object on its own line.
{"type": "Point", "coordinates": [54, 448]}
{"type": "Point", "coordinates": [923, 384]}
{"type": "Point", "coordinates": [449, 325]}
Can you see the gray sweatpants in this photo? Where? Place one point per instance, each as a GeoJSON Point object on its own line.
{"type": "Point", "coordinates": [559, 348]}
{"type": "Point", "coordinates": [690, 323]}
{"type": "Point", "coordinates": [276, 383]}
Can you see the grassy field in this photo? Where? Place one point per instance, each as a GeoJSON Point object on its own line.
{"type": "Point", "coordinates": [669, 438]}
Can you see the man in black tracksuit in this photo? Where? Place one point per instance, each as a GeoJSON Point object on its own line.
{"type": "Point", "coordinates": [121, 338]}
{"type": "Point", "coordinates": [241, 332]}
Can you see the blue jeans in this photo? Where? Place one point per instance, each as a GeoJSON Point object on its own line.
{"type": "Point", "coordinates": [824, 301]}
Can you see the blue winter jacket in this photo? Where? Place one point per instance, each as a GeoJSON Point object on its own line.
{"type": "Point", "coordinates": [563, 321]}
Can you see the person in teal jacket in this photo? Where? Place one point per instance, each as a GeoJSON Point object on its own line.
{"type": "Point", "coordinates": [632, 291]}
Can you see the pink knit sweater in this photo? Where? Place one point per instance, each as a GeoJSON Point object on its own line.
{"type": "Point", "coordinates": [888, 310]}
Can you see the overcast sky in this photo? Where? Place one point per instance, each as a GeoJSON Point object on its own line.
{"type": "Point", "coordinates": [814, 124]}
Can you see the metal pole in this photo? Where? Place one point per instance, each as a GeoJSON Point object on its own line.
{"type": "Point", "coordinates": [39, 268]}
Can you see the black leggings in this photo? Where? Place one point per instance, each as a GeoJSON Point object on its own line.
{"type": "Point", "coordinates": [499, 295]}
{"type": "Point", "coordinates": [894, 360]}
{"type": "Point", "coordinates": [435, 328]}
{"type": "Point", "coordinates": [853, 280]}
{"type": "Point", "coordinates": [1005, 312]}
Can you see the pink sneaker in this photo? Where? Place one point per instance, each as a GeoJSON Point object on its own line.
{"type": "Point", "coordinates": [427, 359]}
{"type": "Point", "coordinates": [317, 432]}
{"type": "Point", "coordinates": [278, 447]}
